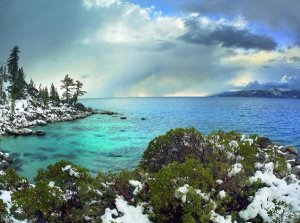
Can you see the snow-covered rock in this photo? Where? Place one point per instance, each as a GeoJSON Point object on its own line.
{"type": "Point", "coordinates": [277, 189]}
{"type": "Point", "coordinates": [138, 186]}
{"type": "Point", "coordinates": [124, 213]}
{"type": "Point", "coordinates": [28, 114]}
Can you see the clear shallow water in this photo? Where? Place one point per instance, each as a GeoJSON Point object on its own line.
{"type": "Point", "coordinates": [106, 143]}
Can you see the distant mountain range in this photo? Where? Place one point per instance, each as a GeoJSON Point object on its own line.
{"type": "Point", "coordinates": [269, 93]}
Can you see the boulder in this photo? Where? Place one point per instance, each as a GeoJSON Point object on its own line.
{"type": "Point", "coordinates": [19, 132]}
{"type": "Point", "coordinates": [296, 171]}
{"type": "Point", "coordinates": [39, 133]}
{"type": "Point", "coordinates": [264, 142]}
{"type": "Point", "coordinates": [123, 118]}
{"type": "Point", "coordinates": [108, 113]}
{"type": "Point", "coordinates": [41, 122]}
{"type": "Point", "coordinates": [297, 162]}
{"type": "Point", "coordinates": [10, 131]}
{"type": "Point", "coordinates": [3, 164]}
{"type": "Point", "coordinates": [25, 132]}
{"type": "Point", "coordinates": [143, 119]}
{"type": "Point", "coordinates": [80, 107]}
{"type": "Point", "coordinates": [291, 150]}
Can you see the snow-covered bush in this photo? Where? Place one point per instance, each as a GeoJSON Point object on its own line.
{"type": "Point", "coordinates": [184, 176]}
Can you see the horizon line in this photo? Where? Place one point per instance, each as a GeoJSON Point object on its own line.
{"type": "Point", "coordinates": [125, 97]}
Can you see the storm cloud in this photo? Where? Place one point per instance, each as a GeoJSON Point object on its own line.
{"type": "Point", "coordinates": [227, 36]}
{"type": "Point", "coordinates": [119, 48]}
{"type": "Point", "coordinates": [271, 15]}
{"type": "Point", "coordinates": [286, 82]}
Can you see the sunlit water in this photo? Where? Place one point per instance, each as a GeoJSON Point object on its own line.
{"type": "Point", "coordinates": [102, 142]}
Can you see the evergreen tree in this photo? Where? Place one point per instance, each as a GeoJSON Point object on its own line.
{"type": "Point", "coordinates": [45, 96]}
{"type": "Point", "coordinates": [1, 78]}
{"type": "Point", "coordinates": [52, 93]}
{"type": "Point", "coordinates": [20, 84]}
{"type": "Point", "coordinates": [5, 76]}
{"type": "Point", "coordinates": [13, 71]}
{"type": "Point", "coordinates": [32, 91]}
{"type": "Point", "coordinates": [78, 91]}
{"type": "Point", "coordinates": [54, 97]}
{"type": "Point", "coordinates": [2, 92]}
{"type": "Point", "coordinates": [67, 86]}
{"type": "Point", "coordinates": [57, 98]}
{"type": "Point", "coordinates": [40, 92]}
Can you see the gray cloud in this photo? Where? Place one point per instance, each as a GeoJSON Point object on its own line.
{"type": "Point", "coordinates": [286, 82]}
{"type": "Point", "coordinates": [295, 59]}
{"type": "Point", "coordinates": [227, 36]}
{"type": "Point", "coordinates": [278, 15]}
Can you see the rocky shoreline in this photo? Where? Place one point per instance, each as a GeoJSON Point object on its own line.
{"type": "Point", "coordinates": [23, 119]}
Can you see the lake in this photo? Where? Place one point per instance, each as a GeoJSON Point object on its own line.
{"type": "Point", "coordinates": [107, 143]}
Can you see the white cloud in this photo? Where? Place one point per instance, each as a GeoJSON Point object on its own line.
{"type": "Point", "coordinates": [133, 25]}
{"type": "Point", "coordinates": [100, 3]}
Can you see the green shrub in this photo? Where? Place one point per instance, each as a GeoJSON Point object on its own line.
{"type": "Point", "coordinates": [41, 203]}
{"type": "Point", "coordinates": [3, 211]}
{"type": "Point", "coordinates": [166, 206]}
{"type": "Point", "coordinates": [10, 180]}
{"type": "Point", "coordinates": [175, 146]}
{"type": "Point", "coordinates": [64, 192]}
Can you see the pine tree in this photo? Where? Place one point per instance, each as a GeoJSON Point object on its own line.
{"type": "Point", "coordinates": [40, 92]}
{"type": "Point", "coordinates": [67, 86]}
{"type": "Point", "coordinates": [45, 96]}
{"type": "Point", "coordinates": [52, 92]}
{"type": "Point", "coordinates": [78, 91]}
{"type": "Point", "coordinates": [2, 93]}
{"type": "Point", "coordinates": [54, 97]}
{"type": "Point", "coordinates": [5, 76]}
{"type": "Point", "coordinates": [1, 78]}
{"type": "Point", "coordinates": [13, 70]}
{"type": "Point", "coordinates": [21, 84]}
{"type": "Point", "coordinates": [32, 91]}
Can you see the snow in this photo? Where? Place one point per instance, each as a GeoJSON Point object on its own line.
{"type": "Point", "coordinates": [72, 172]}
{"type": "Point", "coordinates": [229, 155]}
{"type": "Point", "coordinates": [233, 144]}
{"type": "Point", "coordinates": [51, 184]}
{"type": "Point", "coordinates": [219, 181]}
{"type": "Point", "coordinates": [29, 112]}
{"type": "Point", "coordinates": [216, 218]}
{"type": "Point", "coordinates": [239, 158]}
{"type": "Point", "coordinates": [222, 194]}
{"type": "Point", "coordinates": [99, 193]}
{"type": "Point", "coordinates": [258, 166]}
{"type": "Point", "coordinates": [250, 141]}
{"type": "Point", "coordinates": [236, 168]}
{"type": "Point", "coordinates": [138, 186]}
{"type": "Point", "coordinates": [181, 192]}
{"type": "Point", "coordinates": [6, 197]}
{"type": "Point", "coordinates": [128, 213]}
{"type": "Point", "coordinates": [277, 189]}
{"type": "Point", "coordinates": [205, 196]}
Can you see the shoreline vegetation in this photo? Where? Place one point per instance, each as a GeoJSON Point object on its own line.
{"type": "Point", "coordinates": [183, 176]}
{"type": "Point", "coordinates": [24, 105]}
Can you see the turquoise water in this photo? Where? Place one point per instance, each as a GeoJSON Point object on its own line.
{"type": "Point", "coordinates": [106, 143]}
